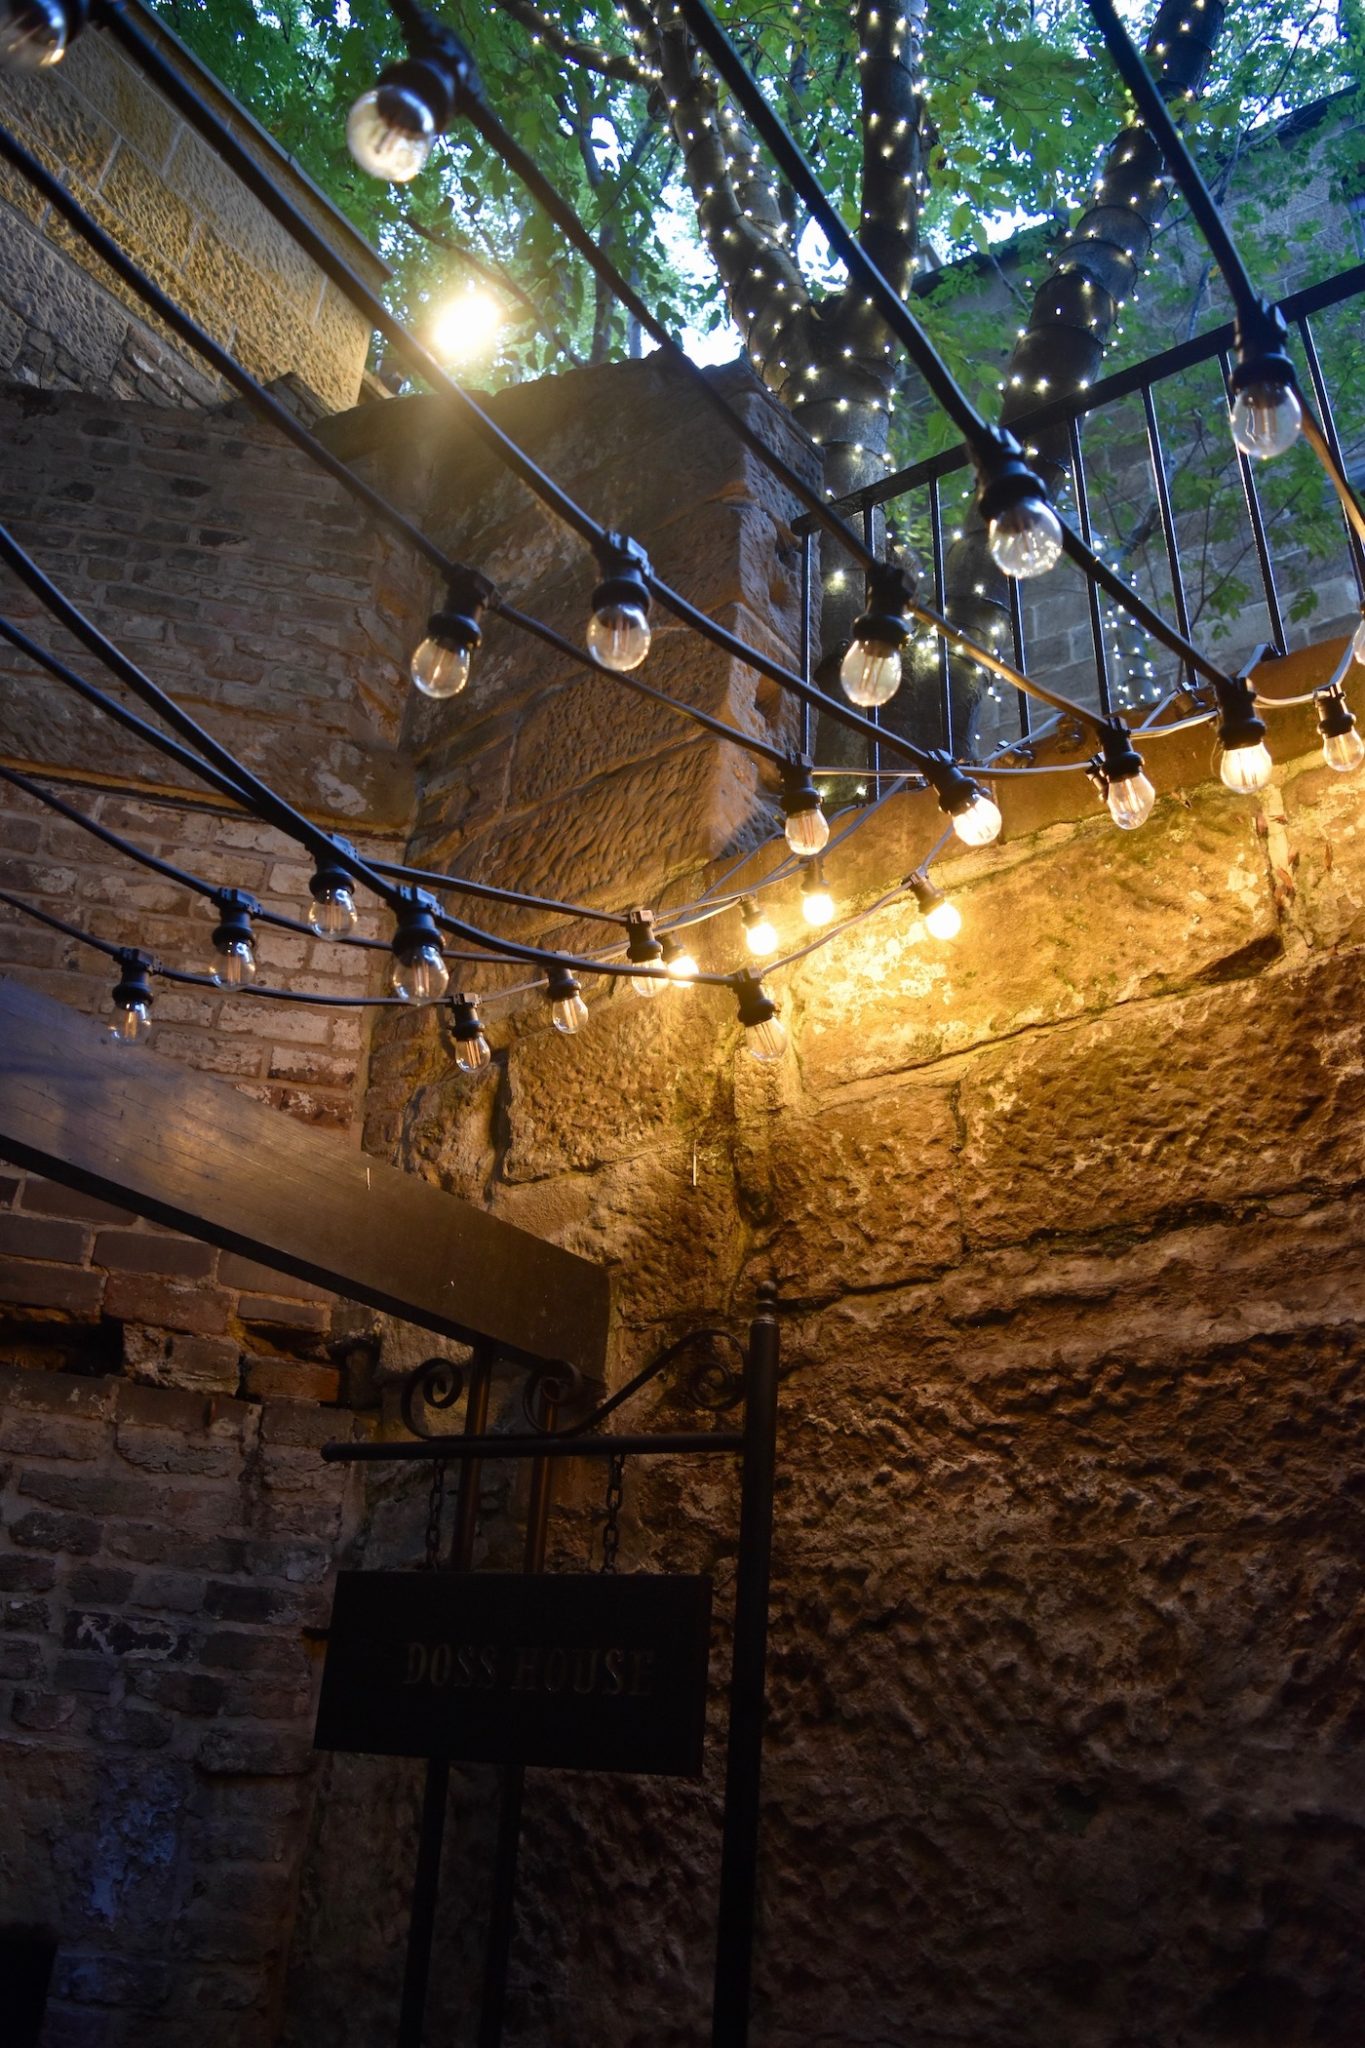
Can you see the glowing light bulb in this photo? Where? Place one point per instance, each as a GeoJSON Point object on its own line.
{"type": "Point", "coordinates": [760, 933]}
{"type": "Point", "coordinates": [465, 325]}
{"type": "Point", "coordinates": [132, 1019]}
{"type": "Point", "coordinates": [390, 132]}
{"type": "Point", "coordinates": [807, 832]}
{"type": "Point", "coordinates": [1025, 539]}
{"type": "Point", "coordinates": [235, 965]}
{"type": "Point", "coordinates": [1266, 418]}
{"type": "Point", "coordinates": [979, 821]}
{"type": "Point", "coordinates": [944, 920]}
{"type": "Point", "coordinates": [440, 670]}
{"type": "Point", "coordinates": [679, 964]}
{"type": "Point", "coordinates": [32, 34]}
{"type": "Point", "coordinates": [870, 674]}
{"type": "Point", "coordinates": [817, 904]}
{"type": "Point", "coordinates": [619, 635]}
{"type": "Point", "coordinates": [419, 974]}
{"type": "Point", "coordinates": [332, 912]}
{"type": "Point", "coordinates": [1130, 801]}
{"type": "Point", "coordinates": [1246, 769]}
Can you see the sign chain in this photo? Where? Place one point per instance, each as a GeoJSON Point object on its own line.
{"type": "Point", "coordinates": [616, 1492]}
{"type": "Point", "coordinates": [435, 1503]}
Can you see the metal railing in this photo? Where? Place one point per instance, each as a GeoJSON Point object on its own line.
{"type": "Point", "coordinates": [918, 494]}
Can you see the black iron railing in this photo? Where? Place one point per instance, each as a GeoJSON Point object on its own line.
{"type": "Point", "coordinates": [917, 495]}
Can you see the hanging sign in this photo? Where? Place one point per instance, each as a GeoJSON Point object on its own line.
{"type": "Point", "coordinates": [597, 1673]}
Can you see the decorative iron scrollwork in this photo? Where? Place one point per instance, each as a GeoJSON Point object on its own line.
{"type": "Point", "coordinates": [551, 1385]}
{"type": "Point", "coordinates": [435, 1383]}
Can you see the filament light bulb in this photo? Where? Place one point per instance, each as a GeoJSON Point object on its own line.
{"type": "Point", "coordinates": [765, 1036]}
{"type": "Point", "coordinates": [766, 1041]}
{"type": "Point", "coordinates": [331, 910]}
{"type": "Point", "coordinates": [421, 975]}
{"type": "Point", "coordinates": [1245, 769]}
{"type": "Point", "coordinates": [679, 963]}
{"type": "Point", "coordinates": [870, 674]}
{"type": "Point", "coordinates": [33, 34]}
{"type": "Point", "coordinates": [817, 904]}
{"type": "Point", "coordinates": [644, 950]}
{"type": "Point", "coordinates": [1266, 418]}
{"type": "Point", "coordinates": [472, 1052]}
{"type": "Point", "coordinates": [1342, 747]}
{"type": "Point", "coordinates": [438, 670]}
{"type": "Point", "coordinates": [132, 1019]}
{"type": "Point", "coordinates": [760, 933]}
{"type": "Point", "coordinates": [619, 635]}
{"type": "Point", "coordinates": [234, 946]}
{"type": "Point", "coordinates": [390, 131]}
{"type": "Point", "coordinates": [132, 1023]}
{"type": "Point", "coordinates": [1130, 801]}
{"type": "Point", "coordinates": [235, 966]}
{"type": "Point", "coordinates": [568, 1011]}
{"type": "Point", "coordinates": [1025, 538]}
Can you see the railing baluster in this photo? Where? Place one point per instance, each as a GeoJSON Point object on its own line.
{"type": "Point", "coordinates": [1258, 532]}
{"type": "Point", "coordinates": [874, 746]}
{"type": "Point", "coordinates": [1017, 627]}
{"type": "Point", "coordinates": [1157, 457]}
{"type": "Point", "coordinates": [944, 674]}
{"type": "Point", "coordinates": [1329, 432]}
{"type": "Point", "coordinates": [1091, 589]}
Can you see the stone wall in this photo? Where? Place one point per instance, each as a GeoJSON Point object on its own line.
{"type": "Point", "coordinates": [185, 219]}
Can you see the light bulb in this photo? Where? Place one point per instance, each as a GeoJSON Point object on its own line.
{"type": "Point", "coordinates": [944, 920]}
{"type": "Point", "coordinates": [651, 984]}
{"type": "Point", "coordinates": [1266, 418]}
{"type": "Point", "coordinates": [760, 933]}
{"type": "Point", "coordinates": [132, 1023]}
{"type": "Point", "coordinates": [390, 132]}
{"type": "Point", "coordinates": [419, 975]}
{"type": "Point", "coordinates": [32, 34]}
{"type": "Point", "coordinates": [1246, 769]}
{"type": "Point", "coordinates": [807, 832]}
{"type": "Point", "coordinates": [439, 670]}
{"type": "Point", "coordinates": [979, 821]}
{"type": "Point", "coordinates": [1026, 539]}
{"type": "Point", "coordinates": [1358, 643]}
{"type": "Point", "coordinates": [472, 1054]}
{"type": "Point", "coordinates": [332, 912]}
{"type": "Point", "coordinates": [1130, 801]}
{"type": "Point", "coordinates": [766, 1041]}
{"type": "Point", "coordinates": [1343, 751]}
{"type": "Point", "coordinates": [619, 635]}
{"type": "Point", "coordinates": [870, 673]}
{"type": "Point", "coordinates": [682, 966]}
{"type": "Point", "coordinates": [817, 905]}
{"type": "Point", "coordinates": [234, 963]}
{"type": "Point", "coordinates": [569, 1014]}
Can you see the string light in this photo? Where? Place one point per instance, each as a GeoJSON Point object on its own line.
{"type": "Point", "coordinates": [644, 949]}
{"type": "Point", "coordinates": [871, 670]}
{"type": "Point", "coordinates": [391, 131]}
{"type": "Point", "coordinates": [331, 911]}
{"type": "Point", "coordinates": [976, 816]}
{"type": "Point", "coordinates": [419, 973]}
{"type": "Point", "coordinates": [806, 827]}
{"type": "Point", "coordinates": [817, 904]}
{"type": "Point", "coordinates": [765, 1035]}
{"type": "Point", "coordinates": [1342, 747]}
{"type": "Point", "coordinates": [1118, 775]}
{"type": "Point", "coordinates": [33, 34]}
{"type": "Point", "coordinates": [941, 916]}
{"type": "Point", "coordinates": [132, 998]}
{"type": "Point", "coordinates": [618, 631]}
{"type": "Point", "coordinates": [472, 1051]}
{"type": "Point", "coordinates": [679, 964]}
{"type": "Point", "coordinates": [1266, 416]}
{"type": "Point", "coordinates": [441, 661]}
{"type": "Point", "coordinates": [760, 933]}
{"type": "Point", "coordinates": [1245, 765]}
{"type": "Point", "coordinates": [568, 1011]}
{"type": "Point", "coordinates": [233, 940]}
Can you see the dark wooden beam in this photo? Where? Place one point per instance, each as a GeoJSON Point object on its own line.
{"type": "Point", "coordinates": [190, 1151]}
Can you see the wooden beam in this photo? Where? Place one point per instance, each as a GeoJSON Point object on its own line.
{"type": "Point", "coordinates": [190, 1151]}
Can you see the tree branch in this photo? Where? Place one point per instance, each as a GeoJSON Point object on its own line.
{"type": "Point", "coordinates": [544, 29]}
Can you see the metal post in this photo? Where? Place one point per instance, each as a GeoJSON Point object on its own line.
{"type": "Point", "coordinates": [427, 1877]}
{"type": "Point", "coordinates": [502, 1912]}
{"type": "Point", "coordinates": [739, 1842]}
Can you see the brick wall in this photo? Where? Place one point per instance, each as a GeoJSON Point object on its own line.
{"type": "Point", "coordinates": [163, 1559]}
{"type": "Point", "coordinates": [184, 218]}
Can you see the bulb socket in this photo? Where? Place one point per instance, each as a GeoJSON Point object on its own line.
{"type": "Point", "coordinates": [561, 985]}
{"type": "Point", "coordinates": [641, 945]}
{"type": "Point", "coordinates": [459, 623]}
{"type": "Point", "coordinates": [330, 875]}
{"type": "Point", "coordinates": [134, 984]}
{"type": "Point", "coordinates": [927, 895]}
{"type": "Point", "coordinates": [417, 926]}
{"type": "Point", "coordinates": [1238, 724]}
{"type": "Point", "coordinates": [955, 790]}
{"type": "Point", "coordinates": [1004, 479]}
{"type": "Point", "coordinates": [465, 1022]}
{"type": "Point", "coordinates": [1335, 717]}
{"type": "Point", "coordinates": [1118, 759]}
{"type": "Point", "coordinates": [890, 590]}
{"type": "Point", "coordinates": [624, 566]}
{"type": "Point", "coordinates": [235, 912]}
{"type": "Point", "coordinates": [798, 791]}
{"type": "Point", "coordinates": [756, 1006]}
{"type": "Point", "coordinates": [1261, 334]}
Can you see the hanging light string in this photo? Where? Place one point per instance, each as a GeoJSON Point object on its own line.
{"type": "Point", "coordinates": [423, 363]}
{"type": "Point", "coordinates": [983, 441]}
{"type": "Point", "coordinates": [1264, 366]}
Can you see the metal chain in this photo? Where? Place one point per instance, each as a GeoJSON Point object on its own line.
{"type": "Point", "coordinates": [616, 1493]}
{"type": "Point", "coordinates": [435, 1503]}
